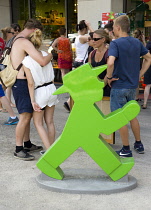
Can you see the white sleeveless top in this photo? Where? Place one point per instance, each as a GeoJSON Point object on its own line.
{"type": "Point", "coordinates": [41, 75]}
{"type": "Point", "coordinates": [81, 50]}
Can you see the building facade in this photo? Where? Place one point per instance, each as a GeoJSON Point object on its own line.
{"type": "Point", "coordinates": [56, 13]}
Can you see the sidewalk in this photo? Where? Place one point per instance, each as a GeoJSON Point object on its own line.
{"type": "Point", "coordinates": [19, 190]}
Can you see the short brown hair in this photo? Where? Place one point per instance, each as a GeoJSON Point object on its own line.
{"type": "Point", "coordinates": [124, 22]}
{"type": "Point", "coordinates": [32, 24]}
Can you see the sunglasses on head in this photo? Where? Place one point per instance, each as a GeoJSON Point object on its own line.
{"type": "Point", "coordinates": [97, 39]}
{"type": "Point", "coordinates": [11, 32]}
{"type": "Point", "coordinates": [17, 30]}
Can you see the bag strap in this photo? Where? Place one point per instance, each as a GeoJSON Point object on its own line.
{"type": "Point", "coordinates": [93, 53]}
{"type": "Point", "coordinates": [16, 39]}
{"type": "Point", "coordinates": [85, 55]}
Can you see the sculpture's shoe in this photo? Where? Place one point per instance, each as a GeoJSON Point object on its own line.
{"type": "Point", "coordinates": [123, 169]}
{"type": "Point", "coordinates": [47, 169]}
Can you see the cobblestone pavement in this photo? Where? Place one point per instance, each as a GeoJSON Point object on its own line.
{"type": "Point", "coordinates": [19, 190]}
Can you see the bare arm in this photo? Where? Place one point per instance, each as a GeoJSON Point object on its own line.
{"type": "Point", "coordinates": [110, 69]}
{"type": "Point", "coordinates": [55, 45]}
{"type": "Point", "coordinates": [146, 64]}
{"type": "Point", "coordinates": [31, 86]}
{"type": "Point", "coordinates": [89, 26]}
{"type": "Point", "coordinates": [83, 39]}
{"type": "Point", "coordinates": [37, 56]}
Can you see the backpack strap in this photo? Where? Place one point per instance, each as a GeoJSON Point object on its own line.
{"type": "Point", "coordinates": [93, 53]}
{"type": "Point", "coordinates": [19, 67]}
{"type": "Point", "coordinates": [16, 39]}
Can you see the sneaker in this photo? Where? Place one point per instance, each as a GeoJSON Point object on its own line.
{"type": "Point", "coordinates": [124, 153]}
{"type": "Point", "coordinates": [139, 148]}
{"type": "Point", "coordinates": [66, 106]}
{"type": "Point", "coordinates": [11, 121]}
{"type": "Point", "coordinates": [42, 152]}
{"type": "Point", "coordinates": [23, 155]}
{"type": "Point", "coordinates": [33, 148]}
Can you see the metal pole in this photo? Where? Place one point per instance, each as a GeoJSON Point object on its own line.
{"type": "Point", "coordinates": [29, 9]}
{"type": "Point", "coordinates": [124, 6]}
{"type": "Point", "coordinates": [66, 16]}
{"type": "Point", "coordinates": [11, 10]}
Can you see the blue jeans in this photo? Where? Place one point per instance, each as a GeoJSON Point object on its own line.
{"type": "Point", "coordinates": [1, 91]}
{"type": "Point", "coordinates": [119, 97]}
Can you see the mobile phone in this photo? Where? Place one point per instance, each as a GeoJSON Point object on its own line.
{"type": "Point", "coordinates": [2, 67]}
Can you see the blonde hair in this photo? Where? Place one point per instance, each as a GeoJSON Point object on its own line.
{"type": "Point", "coordinates": [102, 33]}
{"type": "Point", "coordinates": [124, 22]}
{"type": "Point", "coordinates": [36, 38]}
{"type": "Point", "coordinates": [5, 31]}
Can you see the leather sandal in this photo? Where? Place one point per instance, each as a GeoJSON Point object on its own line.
{"type": "Point", "coordinates": [144, 106]}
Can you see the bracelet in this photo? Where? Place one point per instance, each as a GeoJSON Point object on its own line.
{"type": "Point", "coordinates": [109, 78]}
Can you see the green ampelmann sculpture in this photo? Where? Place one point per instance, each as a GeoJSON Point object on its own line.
{"type": "Point", "coordinates": [84, 125]}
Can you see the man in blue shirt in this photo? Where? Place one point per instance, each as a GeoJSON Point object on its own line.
{"type": "Point", "coordinates": [123, 74]}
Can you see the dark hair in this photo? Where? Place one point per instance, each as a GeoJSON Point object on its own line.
{"type": "Point", "coordinates": [32, 24]}
{"type": "Point", "coordinates": [91, 34]}
{"type": "Point", "coordinates": [81, 25]}
{"type": "Point", "coordinates": [62, 31]}
{"type": "Point", "coordinates": [109, 26]}
{"type": "Point", "coordinates": [137, 33]}
{"type": "Point", "coordinates": [16, 27]}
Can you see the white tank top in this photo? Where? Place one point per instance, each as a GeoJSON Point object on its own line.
{"type": "Point", "coordinates": [81, 50]}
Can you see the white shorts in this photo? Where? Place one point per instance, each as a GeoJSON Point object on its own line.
{"type": "Point", "coordinates": [44, 97]}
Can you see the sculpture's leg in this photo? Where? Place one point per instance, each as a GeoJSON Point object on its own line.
{"type": "Point", "coordinates": [55, 155]}
{"type": "Point", "coordinates": [107, 159]}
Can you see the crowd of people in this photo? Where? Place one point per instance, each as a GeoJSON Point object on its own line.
{"type": "Point", "coordinates": [34, 86]}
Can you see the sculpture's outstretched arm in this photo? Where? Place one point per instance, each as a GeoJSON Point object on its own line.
{"type": "Point", "coordinates": [117, 119]}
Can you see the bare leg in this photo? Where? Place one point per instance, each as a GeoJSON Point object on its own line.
{"type": "Point", "coordinates": [136, 129]}
{"type": "Point", "coordinates": [146, 94]}
{"type": "Point", "coordinates": [6, 103]}
{"type": "Point", "coordinates": [48, 116]}
{"type": "Point", "coordinates": [23, 123]}
{"type": "Point", "coordinates": [27, 133]}
{"type": "Point", "coordinates": [38, 121]}
{"type": "Point", "coordinates": [124, 135]}
{"type": "Point", "coordinates": [8, 95]}
{"type": "Point", "coordinates": [64, 72]}
{"type": "Point", "coordinates": [137, 93]}
{"type": "Point", "coordinates": [1, 108]}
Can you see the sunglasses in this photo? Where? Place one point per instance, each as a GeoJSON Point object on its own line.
{"type": "Point", "coordinates": [97, 39]}
{"type": "Point", "coordinates": [11, 32]}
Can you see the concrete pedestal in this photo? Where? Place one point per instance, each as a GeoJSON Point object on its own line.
{"type": "Point", "coordinates": [86, 181]}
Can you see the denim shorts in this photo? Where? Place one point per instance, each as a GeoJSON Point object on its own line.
{"type": "Point", "coordinates": [119, 97]}
{"type": "Point", "coordinates": [1, 91]}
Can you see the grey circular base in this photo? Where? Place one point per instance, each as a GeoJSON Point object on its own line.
{"type": "Point", "coordinates": [86, 181]}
